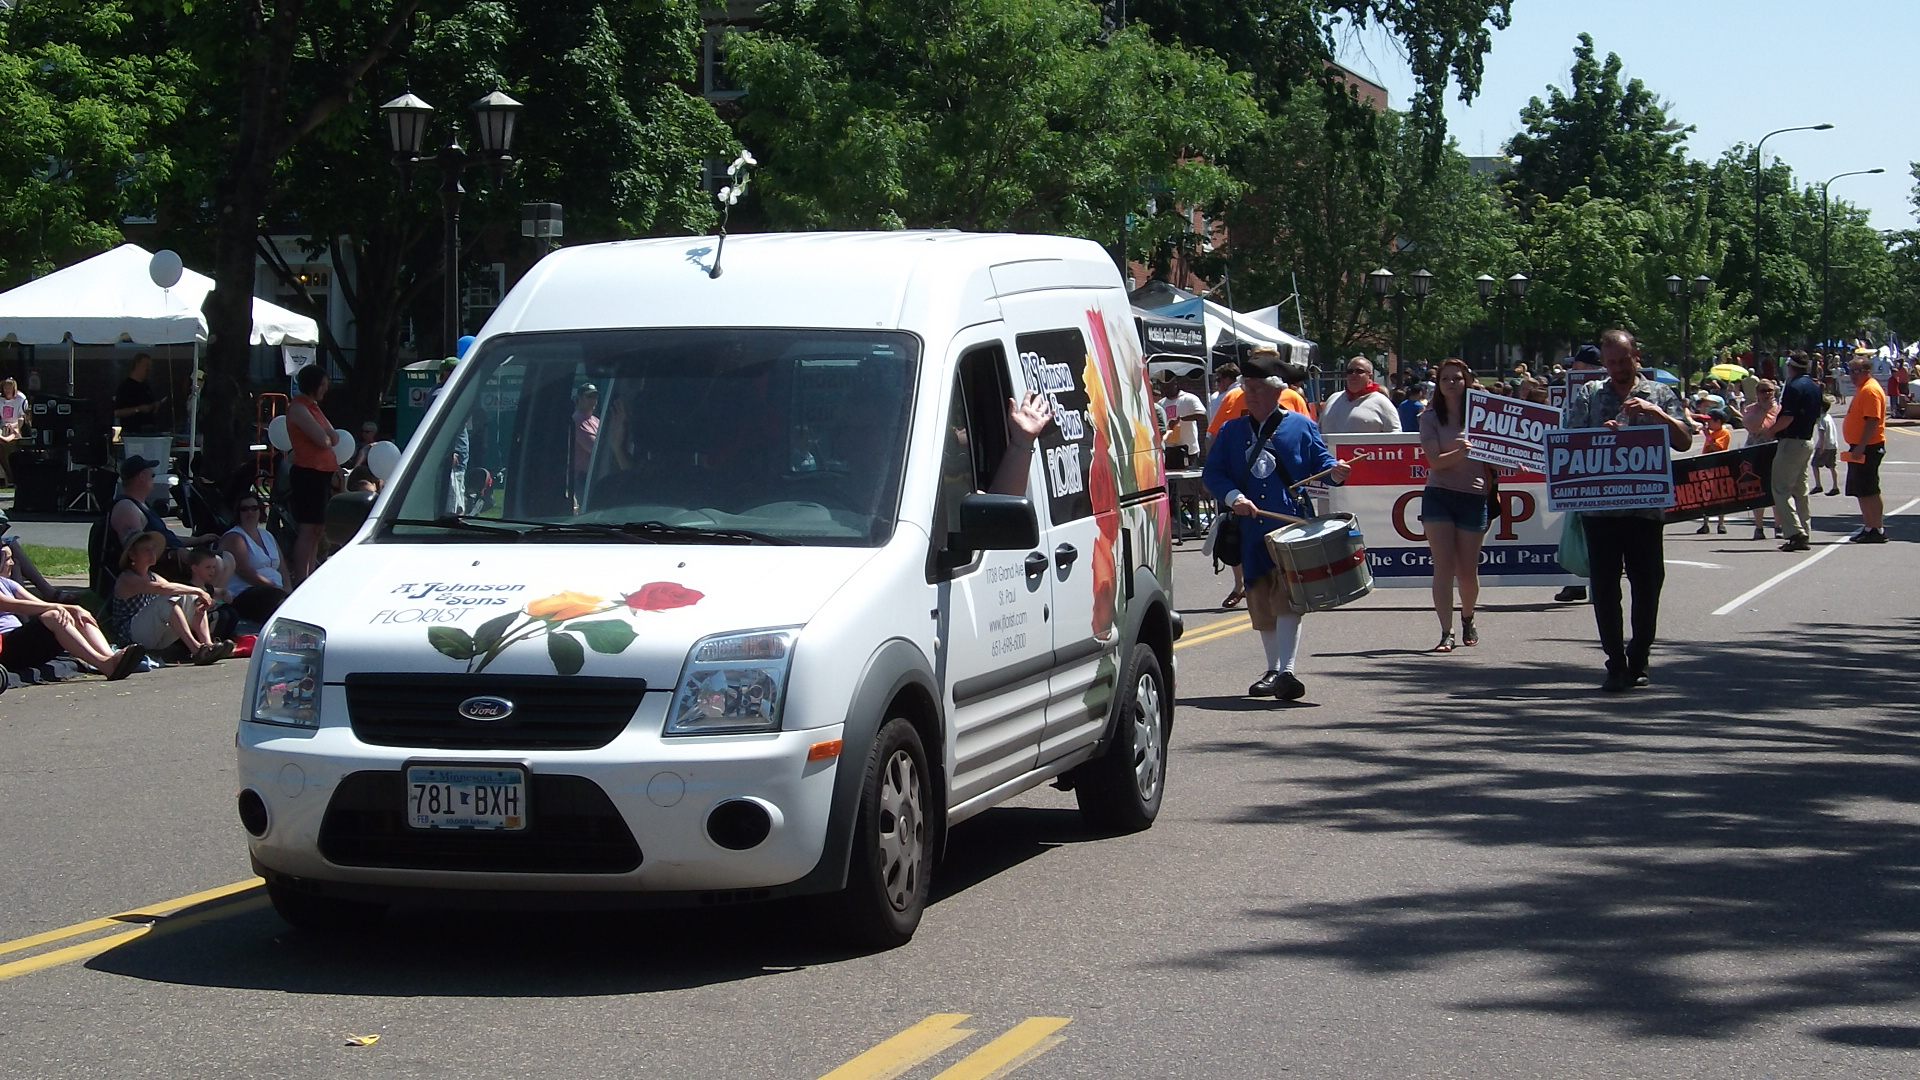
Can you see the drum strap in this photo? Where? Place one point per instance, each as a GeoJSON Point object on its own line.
{"type": "Point", "coordinates": [1333, 569]}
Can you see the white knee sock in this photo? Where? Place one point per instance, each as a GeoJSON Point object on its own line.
{"type": "Point", "coordinates": [1282, 643]}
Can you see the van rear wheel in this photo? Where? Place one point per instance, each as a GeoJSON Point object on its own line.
{"type": "Point", "coordinates": [887, 882]}
{"type": "Point", "coordinates": [1121, 789]}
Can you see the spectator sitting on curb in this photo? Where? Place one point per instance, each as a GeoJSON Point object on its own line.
{"type": "Point", "coordinates": [33, 632]}
{"type": "Point", "coordinates": [24, 572]}
{"type": "Point", "coordinates": [160, 614]}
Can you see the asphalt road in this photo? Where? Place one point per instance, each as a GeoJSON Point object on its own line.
{"type": "Point", "coordinates": [1469, 865]}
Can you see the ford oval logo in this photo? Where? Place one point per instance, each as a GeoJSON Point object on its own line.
{"type": "Point", "coordinates": [486, 709]}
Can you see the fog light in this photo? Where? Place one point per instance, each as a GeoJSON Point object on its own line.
{"type": "Point", "coordinates": [739, 824]}
{"type": "Point", "coordinates": [253, 812]}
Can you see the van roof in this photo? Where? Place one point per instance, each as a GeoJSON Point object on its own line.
{"type": "Point", "coordinates": [883, 280]}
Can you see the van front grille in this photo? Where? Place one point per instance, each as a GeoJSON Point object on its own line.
{"type": "Point", "coordinates": [572, 828]}
{"type": "Point", "coordinates": [549, 712]}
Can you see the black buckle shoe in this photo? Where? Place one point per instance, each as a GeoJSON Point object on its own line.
{"type": "Point", "coordinates": [1617, 683]}
{"type": "Point", "coordinates": [1267, 686]}
{"type": "Point", "coordinates": [1572, 594]}
{"type": "Point", "coordinates": [1290, 688]}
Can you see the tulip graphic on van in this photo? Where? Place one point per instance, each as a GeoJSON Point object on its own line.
{"type": "Point", "coordinates": [567, 621]}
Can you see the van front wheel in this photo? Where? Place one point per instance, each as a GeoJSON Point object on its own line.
{"type": "Point", "coordinates": [1121, 789]}
{"type": "Point", "coordinates": [887, 883]}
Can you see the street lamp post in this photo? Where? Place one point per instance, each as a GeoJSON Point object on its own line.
{"type": "Point", "coordinates": [1677, 290]}
{"type": "Point", "coordinates": [1381, 283]}
{"type": "Point", "coordinates": [1490, 295]}
{"type": "Point", "coordinates": [494, 117]}
{"type": "Point", "coordinates": [1826, 262]}
{"type": "Point", "coordinates": [1758, 309]}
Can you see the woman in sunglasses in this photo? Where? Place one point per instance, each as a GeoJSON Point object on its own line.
{"type": "Point", "coordinates": [259, 582]}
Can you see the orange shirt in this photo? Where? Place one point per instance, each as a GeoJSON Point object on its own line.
{"type": "Point", "coordinates": [1869, 403]}
{"type": "Point", "coordinates": [307, 453]}
{"type": "Point", "coordinates": [1231, 407]}
{"type": "Point", "coordinates": [1719, 440]}
{"type": "Point", "coordinates": [1290, 399]}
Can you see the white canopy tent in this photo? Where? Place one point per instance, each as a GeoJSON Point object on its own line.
{"type": "Point", "coordinates": [113, 298]}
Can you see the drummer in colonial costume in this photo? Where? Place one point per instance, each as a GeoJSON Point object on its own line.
{"type": "Point", "coordinates": [1254, 462]}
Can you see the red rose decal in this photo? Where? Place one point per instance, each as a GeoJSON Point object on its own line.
{"type": "Point", "coordinates": [663, 596]}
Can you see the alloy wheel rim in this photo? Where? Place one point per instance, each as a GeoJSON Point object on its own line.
{"type": "Point", "coordinates": [1146, 737]}
{"type": "Point", "coordinates": [902, 830]}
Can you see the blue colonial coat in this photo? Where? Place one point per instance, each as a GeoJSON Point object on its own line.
{"type": "Point", "coordinates": [1234, 468]}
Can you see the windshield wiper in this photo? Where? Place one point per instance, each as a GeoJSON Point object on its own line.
{"type": "Point", "coordinates": [698, 532]}
{"type": "Point", "coordinates": [581, 528]}
{"type": "Point", "coordinates": [461, 524]}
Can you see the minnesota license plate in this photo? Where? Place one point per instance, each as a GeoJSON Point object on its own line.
{"type": "Point", "coordinates": [466, 797]}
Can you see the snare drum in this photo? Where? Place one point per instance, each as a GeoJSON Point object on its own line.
{"type": "Point", "coordinates": [1325, 561]}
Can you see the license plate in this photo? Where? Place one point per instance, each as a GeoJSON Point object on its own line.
{"type": "Point", "coordinates": [466, 797]}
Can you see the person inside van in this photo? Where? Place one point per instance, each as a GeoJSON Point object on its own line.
{"type": "Point", "coordinates": [1026, 419]}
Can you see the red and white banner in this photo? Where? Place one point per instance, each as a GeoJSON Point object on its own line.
{"type": "Point", "coordinates": [1383, 493]}
{"type": "Point", "coordinates": [1508, 432]}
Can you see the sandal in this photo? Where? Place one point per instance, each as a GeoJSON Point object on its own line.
{"type": "Point", "coordinates": [128, 663]}
{"type": "Point", "coordinates": [1446, 642]}
{"type": "Point", "coordinates": [1468, 635]}
{"type": "Point", "coordinates": [1233, 598]}
{"type": "Point", "coordinates": [206, 655]}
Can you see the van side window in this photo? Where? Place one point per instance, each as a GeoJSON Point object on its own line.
{"type": "Point", "coordinates": [976, 437]}
{"type": "Point", "coordinates": [1054, 363]}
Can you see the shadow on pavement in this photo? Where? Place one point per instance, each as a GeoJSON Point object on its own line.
{"type": "Point", "coordinates": [419, 952]}
{"type": "Point", "coordinates": [1710, 861]}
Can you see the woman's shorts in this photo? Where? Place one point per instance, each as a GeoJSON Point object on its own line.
{"type": "Point", "coordinates": [29, 646]}
{"type": "Point", "coordinates": [1826, 459]}
{"type": "Point", "coordinates": [309, 490]}
{"type": "Point", "coordinates": [1464, 510]}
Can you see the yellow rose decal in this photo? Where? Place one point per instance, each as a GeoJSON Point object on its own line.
{"type": "Point", "coordinates": [563, 606]}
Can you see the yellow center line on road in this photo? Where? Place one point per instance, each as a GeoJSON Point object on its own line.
{"type": "Point", "coordinates": [1028, 1040]}
{"type": "Point", "coordinates": [905, 1050]}
{"type": "Point", "coordinates": [1214, 631]}
{"type": "Point", "coordinates": [162, 915]}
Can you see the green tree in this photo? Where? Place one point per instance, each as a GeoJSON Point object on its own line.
{"type": "Point", "coordinates": [977, 114]}
{"type": "Point", "coordinates": [85, 97]}
{"type": "Point", "coordinates": [1614, 140]}
{"type": "Point", "coordinates": [1903, 254]}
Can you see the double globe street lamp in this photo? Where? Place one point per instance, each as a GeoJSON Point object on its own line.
{"type": "Point", "coordinates": [1679, 292]}
{"type": "Point", "coordinates": [1381, 284]}
{"type": "Point", "coordinates": [494, 117]}
{"type": "Point", "coordinates": [1490, 295]}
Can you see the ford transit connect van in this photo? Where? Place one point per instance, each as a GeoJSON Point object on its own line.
{"type": "Point", "coordinates": [692, 589]}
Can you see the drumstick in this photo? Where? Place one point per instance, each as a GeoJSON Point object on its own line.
{"type": "Point", "coordinates": [1357, 456]}
{"type": "Point", "coordinates": [1282, 517]}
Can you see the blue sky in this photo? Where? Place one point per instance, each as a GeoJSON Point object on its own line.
{"type": "Point", "coordinates": [1734, 70]}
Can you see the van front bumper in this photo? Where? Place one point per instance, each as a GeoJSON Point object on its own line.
{"type": "Point", "coordinates": [662, 790]}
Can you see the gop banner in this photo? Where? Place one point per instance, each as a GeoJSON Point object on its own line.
{"type": "Point", "coordinates": [1714, 484]}
{"type": "Point", "coordinates": [1507, 431]}
{"type": "Point", "coordinates": [1383, 495]}
{"type": "Point", "coordinates": [1624, 468]}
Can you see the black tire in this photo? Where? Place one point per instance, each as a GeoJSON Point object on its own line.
{"type": "Point", "coordinates": [322, 913]}
{"type": "Point", "coordinates": [892, 862]}
{"type": "Point", "coordinates": [1120, 790]}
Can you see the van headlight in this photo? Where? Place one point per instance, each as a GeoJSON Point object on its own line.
{"type": "Point", "coordinates": [733, 683]}
{"type": "Point", "coordinates": [287, 688]}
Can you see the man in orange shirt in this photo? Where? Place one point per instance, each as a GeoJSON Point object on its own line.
{"type": "Point", "coordinates": [1290, 398]}
{"type": "Point", "coordinates": [1865, 432]}
{"type": "Point", "coordinates": [1227, 401]}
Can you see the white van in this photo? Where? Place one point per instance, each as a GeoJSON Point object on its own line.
{"type": "Point", "coordinates": [691, 590]}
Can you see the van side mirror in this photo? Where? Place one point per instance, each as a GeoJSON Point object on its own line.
{"type": "Point", "coordinates": [996, 523]}
{"type": "Point", "coordinates": [346, 512]}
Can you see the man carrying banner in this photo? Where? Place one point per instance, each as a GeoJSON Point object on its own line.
{"type": "Point", "coordinates": [1252, 468]}
{"type": "Point", "coordinates": [1800, 405]}
{"type": "Point", "coordinates": [1632, 541]}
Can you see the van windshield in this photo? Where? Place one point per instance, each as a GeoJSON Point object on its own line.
{"type": "Point", "coordinates": [670, 436]}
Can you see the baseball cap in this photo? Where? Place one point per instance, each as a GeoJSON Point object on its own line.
{"type": "Point", "coordinates": [135, 465]}
{"type": "Point", "coordinates": [1588, 354]}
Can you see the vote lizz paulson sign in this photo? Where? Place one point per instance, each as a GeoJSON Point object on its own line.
{"type": "Point", "coordinates": [1721, 483]}
{"type": "Point", "coordinates": [1625, 468]}
{"type": "Point", "coordinates": [1383, 494]}
{"type": "Point", "coordinates": [1508, 431]}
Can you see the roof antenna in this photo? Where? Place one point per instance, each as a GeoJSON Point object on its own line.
{"type": "Point", "coordinates": [737, 176]}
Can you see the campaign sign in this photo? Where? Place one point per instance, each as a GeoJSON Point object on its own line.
{"type": "Point", "coordinates": [1383, 494]}
{"type": "Point", "coordinates": [1507, 431]}
{"type": "Point", "coordinates": [1578, 378]}
{"type": "Point", "coordinates": [1714, 484]}
{"type": "Point", "coordinates": [1624, 468]}
{"type": "Point", "coordinates": [1557, 395]}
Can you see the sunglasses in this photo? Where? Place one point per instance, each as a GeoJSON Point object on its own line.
{"type": "Point", "coordinates": [1358, 371]}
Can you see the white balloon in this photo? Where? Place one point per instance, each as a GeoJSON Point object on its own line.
{"type": "Point", "coordinates": [278, 436]}
{"type": "Point", "coordinates": [343, 445]}
{"type": "Point", "coordinates": [382, 458]}
{"type": "Point", "coordinates": [165, 268]}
